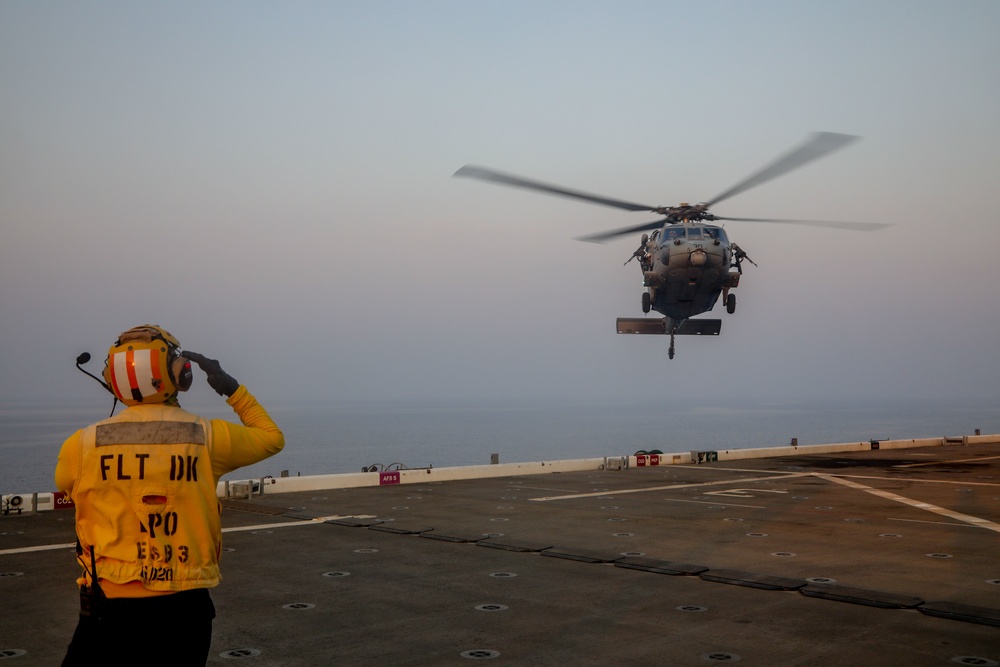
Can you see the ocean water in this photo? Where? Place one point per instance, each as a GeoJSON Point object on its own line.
{"type": "Point", "coordinates": [343, 437]}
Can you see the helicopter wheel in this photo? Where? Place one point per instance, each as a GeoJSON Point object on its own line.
{"type": "Point", "coordinates": [645, 302]}
{"type": "Point", "coordinates": [731, 304]}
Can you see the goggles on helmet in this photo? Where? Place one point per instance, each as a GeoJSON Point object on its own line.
{"type": "Point", "coordinates": [144, 366]}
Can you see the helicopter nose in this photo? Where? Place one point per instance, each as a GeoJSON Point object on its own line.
{"type": "Point", "coordinates": [698, 258]}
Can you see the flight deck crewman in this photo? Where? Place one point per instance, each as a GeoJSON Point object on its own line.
{"type": "Point", "coordinates": [147, 516]}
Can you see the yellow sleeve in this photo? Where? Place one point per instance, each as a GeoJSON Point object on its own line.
{"type": "Point", "coordinates": [66, 466]}
{"type": "Point", "coordinates": [235, 446]}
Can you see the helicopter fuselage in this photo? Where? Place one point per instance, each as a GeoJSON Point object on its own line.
{"type": "Point", "coordinates": [686, 266]}
{"type": "Point", "coordinates": [685, 260]}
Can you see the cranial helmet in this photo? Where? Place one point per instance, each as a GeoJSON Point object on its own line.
{"type": "Point", "coordinates": [145, 366]}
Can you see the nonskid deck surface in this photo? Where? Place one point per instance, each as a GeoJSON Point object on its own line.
{"type": "Point", "coordinates": [874, 558]}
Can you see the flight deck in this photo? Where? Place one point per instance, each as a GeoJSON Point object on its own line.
{"type": "Point", "coordinates": [881, 557]}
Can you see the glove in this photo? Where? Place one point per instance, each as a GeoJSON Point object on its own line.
{"type": "Point", "coordinates": [223, 383]}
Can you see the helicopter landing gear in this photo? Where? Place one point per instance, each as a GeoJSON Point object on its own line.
{"type": "Point", "coordinates": [645, 302]}
{"type": "Point", "coordinates": [731, 304]}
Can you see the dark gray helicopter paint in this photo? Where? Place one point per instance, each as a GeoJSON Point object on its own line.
{"type": "Point", "coordinates": [686, 264]}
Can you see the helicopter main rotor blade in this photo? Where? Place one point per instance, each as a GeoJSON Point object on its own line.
{"type": "Point", "coordinates": [606, 236]}
{"type": "Point", "coordinates": [854, 226]}
{"type": "Point", "coordinates": [820, 144]}
{"type": "Point", "coordinates": [482, 173]}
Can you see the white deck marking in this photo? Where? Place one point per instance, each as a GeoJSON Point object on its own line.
{"type": "Point", "coordinates": [618, 492]}
{"type": "Point", "coordinates": [944, 463]}
{"type": "Point", "coordinates": [515, 487]}
{"type": "Point", "coordinates": [936, 523]}
{"type": "Point", "coordinates": [318, 521]}
{"type": "Point", "coordinates": [288, 524]}
{"type": "Point", "coordinates": [756, 470]}
{"type": "Point", "coordinates": [707, 502]}
{"type": "Point", "coordinates": [958, 516]}
{"type": "Point", "coordinates": [961, 482]}
{"type": "Point", "coordinates": [44, 547]}
{"type": "Point", "coordinates": [265, 526]}
{"type": "Point", "coordinates": [742, 493]}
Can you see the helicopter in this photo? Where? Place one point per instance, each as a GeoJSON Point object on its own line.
{"type": "Point", "coordinates": [687, 262]}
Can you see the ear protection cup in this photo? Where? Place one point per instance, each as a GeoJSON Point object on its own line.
{"type": "Point", "coordinates": [180, 372]}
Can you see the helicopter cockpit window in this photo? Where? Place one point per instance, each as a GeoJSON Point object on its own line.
{"type": "Point", "coordinates": [716, 234]}
{"type": "Point", "coordinates": [675, 233]}
{"type": "Point", "coordinates": [694, 232]}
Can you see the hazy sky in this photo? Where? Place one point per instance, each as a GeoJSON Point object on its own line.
{"type": "Point", "coordinates": [272, 183]}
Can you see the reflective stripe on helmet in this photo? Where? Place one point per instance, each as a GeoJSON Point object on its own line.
{"type": "Point", "coordinates": [136, 369]}
{"type": "Point", "coordinates": [154, 369]}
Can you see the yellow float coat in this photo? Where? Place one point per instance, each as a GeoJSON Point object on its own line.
{"type": "Point", "coordinates": [144, 485]}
